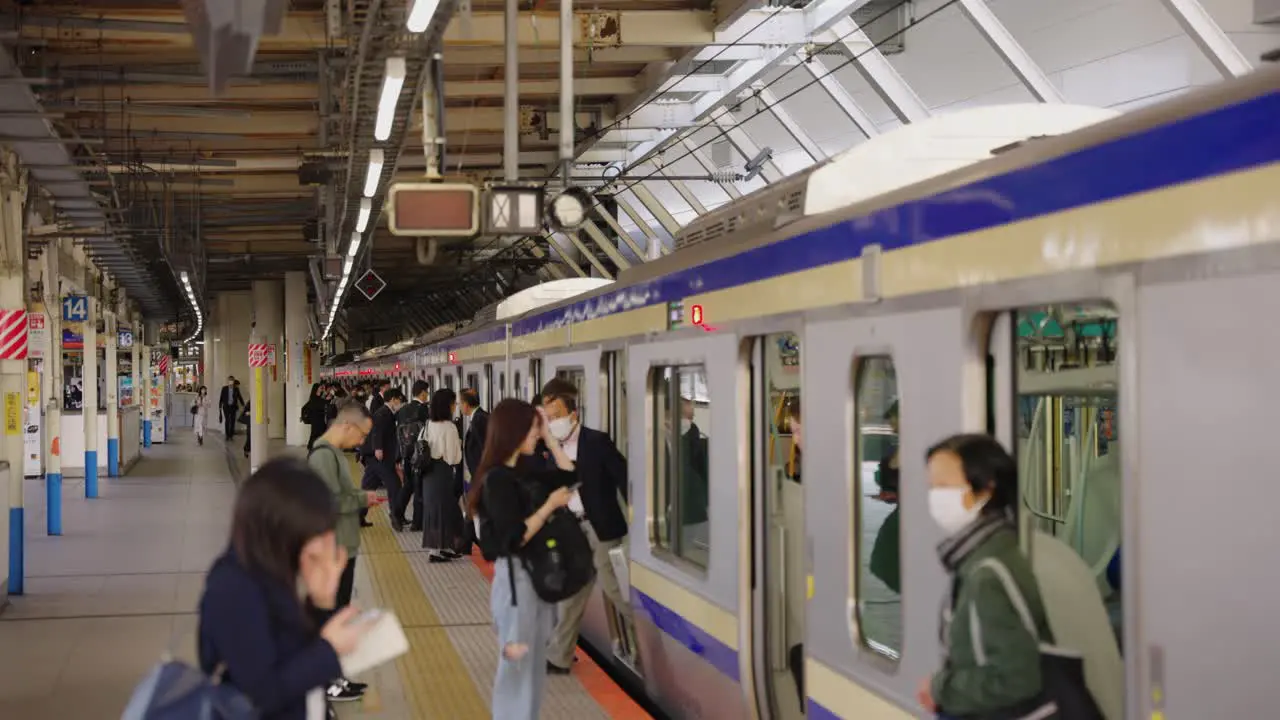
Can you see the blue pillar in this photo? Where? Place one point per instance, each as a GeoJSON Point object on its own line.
{"type": "Point", "coordinates": [16, 534]}
{"type": "Point", "coordinates": [113, 457]}
{"type": "Point", "coordinates": [53, 503]}
{"type": "Point", "coordinates": [91, 473]}
{"type": "Point", "coordinates": [146, 432]}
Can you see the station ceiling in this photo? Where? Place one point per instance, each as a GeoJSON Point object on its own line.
{"type": "Point", "coordinates": [124, 80]}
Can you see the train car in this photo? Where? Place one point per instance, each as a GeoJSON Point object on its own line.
{"type": "Point", "coordinates": [1087, 297]}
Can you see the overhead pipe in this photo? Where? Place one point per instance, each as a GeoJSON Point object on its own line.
{"type": "Point", "coordinates": [511, 103]}
{"type": "Point", "coordinates": [566, 89]}
{"type": "Point", "coordinates": [426, 250]}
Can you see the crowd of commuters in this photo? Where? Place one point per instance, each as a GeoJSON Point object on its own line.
{"type": "Point", "coordinates": [276, 614]}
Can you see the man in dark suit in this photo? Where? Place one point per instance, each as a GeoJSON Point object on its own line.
{"type": "Point", "coordinates": [379, 398]}
{"type": "Point", "coordinates": [477, 426]}
{"type": "Point", "coordinates": [229, 403]}
{"type": "Point", "coordinates": [381, 452]}
{"type": "Point", "coordinates": [602, 472]}
{"type": "Point", "coordinates": [410, 420]}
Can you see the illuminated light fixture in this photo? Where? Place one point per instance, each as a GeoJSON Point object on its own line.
{"type": "Point", "coordinates": [420, 15]}
{"type": "Point", "coordinates": [392, 84]}
{"type": "Point", "coordinates": [191, 297]}
{"type": "Point", "coordinates": [376, 158]}
{"type": "Point", "coordinates": [355, 245]}
{"type": "Point", "coordinates": [366, 210]}
{"type": "Point", "coordinates": [346, 269]}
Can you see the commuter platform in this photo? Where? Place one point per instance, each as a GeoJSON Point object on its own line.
{"type": "Point", "coordinates": [119, 589]}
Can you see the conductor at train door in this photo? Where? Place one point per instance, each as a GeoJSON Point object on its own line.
{"type": "Point", "coordinates": [602, 472]}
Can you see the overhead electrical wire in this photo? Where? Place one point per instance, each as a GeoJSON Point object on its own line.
{"type": "Point", "coordinates": [764, 107]}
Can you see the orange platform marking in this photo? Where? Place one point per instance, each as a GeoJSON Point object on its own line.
{"type": "Point", "coordinates": [597, 682]}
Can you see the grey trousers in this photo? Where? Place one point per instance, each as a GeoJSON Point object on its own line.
{"type": "Point", "coordinates": [520, 682]}
{"type": "Point", "coordinates": [565, 637]}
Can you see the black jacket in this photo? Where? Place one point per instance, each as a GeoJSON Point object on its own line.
{"type": "Point", "coordinates": [603, 473]}
{"type": "Point", "coordinates": [414, 410]}
{"type": "Point", "coordinates": [257, 628]}
{"type": "Point", "coordinates": [230, 397]}
{"type": "Point", "coordinates": [376, 402]}
{"type": "Point", "coordinates": [473, 445]}
{"type": "Point", "coordinates": [382, 436]}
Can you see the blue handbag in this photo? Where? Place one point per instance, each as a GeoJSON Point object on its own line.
{"type": "Point", "coordinates": [176, 691]}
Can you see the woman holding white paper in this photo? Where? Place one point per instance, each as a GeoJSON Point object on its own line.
{"type": "Point", "coordinates": [500, 498]}
{"type": "Point", "coordinates": [283, 564]}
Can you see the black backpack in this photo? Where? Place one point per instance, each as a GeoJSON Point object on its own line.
{"type": "Point", "coordinates": [407, 438]}
{"type": "Point", "coordinates": [558, 558]}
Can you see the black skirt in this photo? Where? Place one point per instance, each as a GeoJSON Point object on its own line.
{"type": "Point", "coordinates": [442, 523]}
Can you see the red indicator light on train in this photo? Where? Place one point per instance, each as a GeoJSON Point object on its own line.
{"type": "Point", "coordinates": [453, 357]}
{"type": "Point", "coordinates": [695, 314]}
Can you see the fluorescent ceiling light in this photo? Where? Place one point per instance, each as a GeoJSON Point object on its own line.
{"type": "Point", "coordinates": [376, 158]}
{"type": "Point", "coordinates": [346, 268]}
{"type": "Point", "coordinates": [362, 220]}
{"type": "Point", "coordinates": [392, 84]}
{"type": "Point", "coordinates": [420, 15]}
{"type": "Point", "coordinates": [354, 247]}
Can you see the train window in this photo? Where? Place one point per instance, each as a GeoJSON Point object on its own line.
{"type": "Point", "coordinates": [681, 490]}
{"type": "Point", "coordinates": [878, 568]}
{"type": "Point", "coordinates": [486, 395]}
{"type": "Point", "coordinates": [1066, 435]}
{"type": "Point", "coordinates": [502, 386]}
{"type": "Point", "coordinates": [517, 388]}
{"type": "Point", "coordinates": [578, 377]}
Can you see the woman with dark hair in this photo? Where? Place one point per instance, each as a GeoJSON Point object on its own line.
{"type": "Point", "coordinates": [991, 666]}
{"type": "Point", "coordinates": [439, 453]}
{"type": "Point", "coordinates": [313, 414]}
{"type": "Point", "coordinates": [200, 413]}
{"type": "Point", "coordinates": [281, 570]}
{"type": "Point", "coordinates": [511, 497]}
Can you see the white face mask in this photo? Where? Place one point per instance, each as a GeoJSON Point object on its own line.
{"type": "Point", "coordinates": [561, 428]}
{"type": "Point", "coordinates": [946, 505]}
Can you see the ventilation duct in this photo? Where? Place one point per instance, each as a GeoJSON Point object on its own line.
{"type": "Point", "coordinates": [226, 34]}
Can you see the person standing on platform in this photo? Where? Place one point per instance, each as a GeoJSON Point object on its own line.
{"type": "Point", "coordinates": [282, 564]}
{"type": "Point", "coordinates": [478, 423]}
{"type": "Point", "coordinates": [381, 451]}
{"type": "Point", "coordinates": [410, 420]}
{"type": "Point", "coordinates": [598, 503]}
{"type": "Point", "coordinates": [229, 403]}
{"type": "Point", "coordinates": [441, 450]}
{"type": "Point", "coordinates": [349, 429]}
{"type": "Point", "coordinates": [200, 413]}
{"type": "Point", "coordinates": [313, 414]}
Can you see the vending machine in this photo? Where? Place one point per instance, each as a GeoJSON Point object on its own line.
{"type": "Point", "coordinates": [156, 402]}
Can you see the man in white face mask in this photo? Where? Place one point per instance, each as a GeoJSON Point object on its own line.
{"type": "Point", "coordinates": [599, 500]}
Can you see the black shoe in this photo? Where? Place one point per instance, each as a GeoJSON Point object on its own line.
{"type": "Point", "coordinates": [200, 439]}
{"type": "Point", "coordinates": [342, 692]}
{"type": "Point", "coordinates": [437, 558]}
{"type": "Point", "coordinates": [451, 554]}
{"type": "Point", "coordinates": [397, 524]}
{"type": "Point", "coordinates": [358, 687]}
{"type": "Point", "coordinates": [365, 523]}
{"type": "Point", "coordinates": [554, 669]}
{"type": "Point", "coordinates": [415, 528]}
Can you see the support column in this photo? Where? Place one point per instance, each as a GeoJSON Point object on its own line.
{"type": "Point", "coordinates": [53, 410]}
{"type": "Point", "coordinates": [144, 364]}
{"type": "Point", "coordinates": [113, 398]}
{"type": "Point", "coordinates": [258, 416]}
{"type": "Point", "coordinates": [138, 398]}
{"type": "Point", "coordinates": [91, 398]}
{"type": "Point", "coordinates": [298, 385]}
{"type": "Point", "coordinates": [13, 373]}
{"type": "Point", "coordinates": [268, 316]}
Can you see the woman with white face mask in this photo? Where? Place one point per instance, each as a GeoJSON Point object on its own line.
{"type": "Point", "coordinates": [991, 662]}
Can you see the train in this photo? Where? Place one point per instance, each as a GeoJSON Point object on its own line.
{"type": "Point", "coordinates": [1091, 288]}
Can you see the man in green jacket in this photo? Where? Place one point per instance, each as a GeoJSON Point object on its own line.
{"type": "Point", "coordinates": [348, 430]}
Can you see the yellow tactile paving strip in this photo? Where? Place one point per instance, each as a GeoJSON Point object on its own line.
{"type": "Point", "coordinates": [436, 683]}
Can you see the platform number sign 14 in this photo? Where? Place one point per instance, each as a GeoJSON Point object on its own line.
{"type": "Point", "coordinates": [75, 308]}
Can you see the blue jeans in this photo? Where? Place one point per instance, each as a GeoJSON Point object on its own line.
{"type": "Point", "coordinates": [520, 684]}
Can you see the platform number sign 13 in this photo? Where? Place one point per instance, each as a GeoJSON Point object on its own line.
{"type": "Point", "coordinates": [75, 308]}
